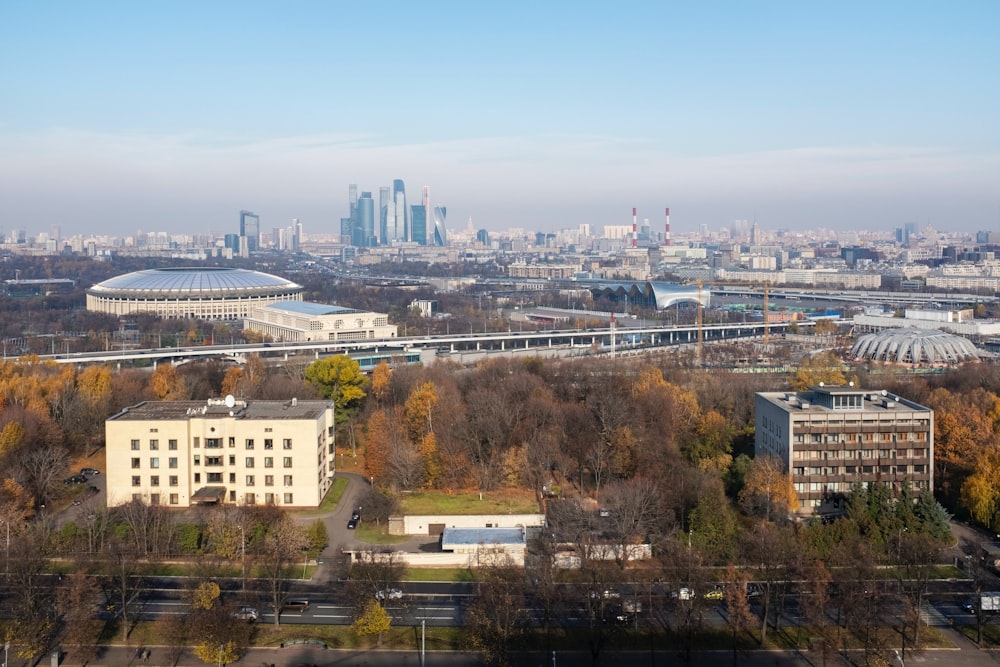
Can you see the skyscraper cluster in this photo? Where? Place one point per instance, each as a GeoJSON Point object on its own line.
{"type": "Point", "coordinates": [397, 222]}
{"type": "Point", "coordinates": [250, 239]}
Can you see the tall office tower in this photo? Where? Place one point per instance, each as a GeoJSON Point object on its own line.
{"type": "Point", "coordinates": [418, 224]}
{"type": "Point", "coordinates": [250, 228]}
{"type": "Point", "coordinates": [402, 227]}
{"type": "Point", "coordinates": [755, 235]}
{"type": "Point", "coordinates": [346, 231]}
{"type": "Point", "coordinates": [232, 241]}
{"type": "Point", "coordinates": [483, 237]}
{"type": "Point", "coordinates": [440, 232]}
{"type": "Point", "coordinates": [425, 201]}
{"type": "Point", "coordinates": [384, 206]}
{"type": "Point", "coordinates": [352, 198]}
{"type": "Point", "coordinates": [364, 226]}
{"type": "Point", "coordinates": [296, 235]}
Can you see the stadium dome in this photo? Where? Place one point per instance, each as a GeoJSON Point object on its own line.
{"type": "Point", "coordinates": [180, 293]}
{"type": "Point", "coordinates": [914, 346]}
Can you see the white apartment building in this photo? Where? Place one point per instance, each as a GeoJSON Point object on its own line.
{"type": "Point", "coordinates": [830, 438]}
{"type": "Point", "coordinates": [184, 453]}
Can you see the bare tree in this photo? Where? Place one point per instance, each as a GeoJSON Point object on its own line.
{"type": "Point", "coordinates": [284, 543]}
{"type": "Point", "coordinates": [42, 468]}
{"type": "Point", "coordinates": [77, 597]}
{"type": "Point", "coordinates": [632, 506]}
{"type": "Point", "coordinates": [121, 581]}
{"type": "Point", "coordinates": [496, 616]}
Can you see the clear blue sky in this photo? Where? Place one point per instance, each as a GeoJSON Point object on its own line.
{"type": "Point", "coordinates": [117, 116]}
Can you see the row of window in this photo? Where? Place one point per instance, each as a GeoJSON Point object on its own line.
{"type": "Point", "coordinates": [249, 462]}
{"type": "Point", "coordinates": [251, 498]}
{"type": "Point", "coordinates": [849, 454]}
{"type": "Point", "coordinates": [838, 487]}
{"type": "Point", "coordinates": [212, 477]}
{"type": "Point", "coordinates": [864, 470]}
{"type": "Point", "coordinates": [210, 443]}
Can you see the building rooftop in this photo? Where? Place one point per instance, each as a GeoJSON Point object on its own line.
{"type": "Point", "coordinates": [840, 399]}
{"type": "Point", "coordinates": [310, 308]}
{"type": "Point", "coordinates": [218, 409]}
{"type": "Point", "coordinates": [190, 281]}
{"type": "Point", "coordinates": [472, 536]}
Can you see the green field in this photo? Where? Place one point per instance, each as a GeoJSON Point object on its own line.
{"type": "Point", "coordinates": [492, 502]}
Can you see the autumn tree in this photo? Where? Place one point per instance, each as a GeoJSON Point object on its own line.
{"type": "Point", "coordinates": [339, 379]}
{"type": "Point", "coordinates": [768, 491]}
{"type": "Point", "coordinates": [283, 544]}
{"type": "Point", "coordinates": [166, 384]}
{"type": "Point", "coordinates": [823, 368]}
{"type": "Point", "coordinates": [373, 620]}
{"type": "Point", "coordinates": [496, 615]}
{"type": "Point", "coordinates": [76, 599]}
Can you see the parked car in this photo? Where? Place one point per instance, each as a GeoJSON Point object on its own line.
{"type": "Point", "coordinates": [389, 594]}
{"type": "Point", "coordinates": [75, 479]}
{"type": "Point", "coordinates": [685, 594]}
{"type": "Point", "coordinates": [969, 606]}
{"type": "Point", "coordinates": [245, 614]}
{"type": "Point", "coordinates": [89, 472]}
{"type": "Point", "coordinates": [356, 514]}
{"type": "Point", "coordinates": [714, 594]}
{"type": "Point", "coordinates": [92, 490]}
{"type": "Point", "coordinates": [352, 523]}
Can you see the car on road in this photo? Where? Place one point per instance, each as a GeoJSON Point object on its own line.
{"type": "Point", "coordinates": [684, 594]}
{"type": "Point", "coordinates": [356, 514]}
{"type": "Point", "coordinates": [245, 614]}
{"type": "Point", "coordinates": [75, 479]}
{"type": "Point", "coordinates": [714, 594]}
{"type": "Point", "coordinates": [969, 606]}
{"type": "Point", "coordinates": [389, 594]}
{"type": "Point", "coordinates": [352, 523]}
{"type": "Point", "coordinates": [296, 604]}
{"type": "Point", "coordinates": [89, 472]}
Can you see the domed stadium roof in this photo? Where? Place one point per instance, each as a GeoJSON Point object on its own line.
{"type": "Point", "coordinates": [914, 346]}
{"type": "Point", "coordinates": [192, 282]}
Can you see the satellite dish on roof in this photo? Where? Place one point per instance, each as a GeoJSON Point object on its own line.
{"type": "Point", "coordinates": [230, 401]}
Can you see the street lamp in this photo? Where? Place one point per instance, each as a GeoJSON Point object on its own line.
{"type": "Point", "coordinates": [898, 657]}
{"type": "Point", "coordinates": [221, 646]}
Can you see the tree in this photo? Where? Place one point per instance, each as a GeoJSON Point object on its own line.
{"type": "Point", "coordinates": [166, 384]}
{"type": "Point", "coordinates": [338, 378]}
{"type": "Point", "coordinates": [768, 490]}
{"type": "Point", "coordinates": [373, 620]}
{"type": "Point", "coordinates": [316, 537]}
{"type": "Point", "coordinates": [824, 367]}
{"type": "Point", "coordinates": [738, 614]}
{"type": "Point", "coordinates": [76, 599]}
{"type": "Point", "coordinates": [284, 544]}
{"type": "Point", "coordinates": [495, 617]}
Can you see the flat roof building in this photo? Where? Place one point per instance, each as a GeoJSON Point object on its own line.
{"type": "Point", "coordinates": [831, 437]}
{"type": "Point", "coordinates": [304, 321]}
{"type": "Point", "coordinates": [221, 451]}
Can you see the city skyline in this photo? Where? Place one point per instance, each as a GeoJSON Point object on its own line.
{"type": "Point", "coordinates": [155, 116]}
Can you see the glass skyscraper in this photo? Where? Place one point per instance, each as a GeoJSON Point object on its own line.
{"type": "Point", "coordinates": [250, 228]}
{"type": "Point", "coordinates": [418, 224]}
{"type": "Point", "coordinates": [401, 230]}
{"type": "Point", "coordinates": [385, 211]}
{"type": "Point", "coordinates": [440, 233]}
{"type": "Point", "coordinates": [364, 223]}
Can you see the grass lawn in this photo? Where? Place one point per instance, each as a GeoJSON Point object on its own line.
{"type": "Point", "coordinates": [331, 500]}
{"type": "Point", "coordinates": [369, 532]}
{"type": "Point", "coordinates": [438, 574]}
{"type": "Point", "coordinates": [503, 501]}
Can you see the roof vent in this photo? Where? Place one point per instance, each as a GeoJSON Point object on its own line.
{"type": "Point", "coordinates": [804, 405]}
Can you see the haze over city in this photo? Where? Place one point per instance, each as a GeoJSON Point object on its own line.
{"type": "Point", "coordinates": [117, 117]}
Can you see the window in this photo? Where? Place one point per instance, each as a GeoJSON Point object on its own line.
{"type": "Point", "coordinates": [214, 478]}
{"type": "Point", "coordinates": [173, 480]}
{"type": "Point", "coordinates": [268, 443]}
{"type": "Point", "coordinates": [287, 443]}
{"type": "Point", "coordinates": [286, 462]}
{"type": "Point", "coordinates": [154, 462]}
{"type": "Point", "coordinates": [174, 499]}
{"type": "Point", "coordinates": [232, 459]}
{"type": "Point", "coordinates": [197, 442]}
{"type": "Point", "coordinates": [172, 462]}
{"type": "Point", "coordinates": [269, 498]}
{"type": "Point", "coordinates": [154, 480]}
{"type": "Point", "coordinates": [135, 462]}
{"type": "Point", "coordinates": [232, 441]}
{"type": "Point", "coordinates": [154, 430]}
{"type": "Point", "coordinates": [137, 497]}
{"type": "Point", "coordinates": [249, 480]}
{"type": "Point", "coordinates": [288, 480]}
{"type": "Point", "coordinates": [197, 478]}
{"type": "Point", "coordinates": [197, 459]}
{"type": "Point", "coordinates": [249, 443]}
{"type": "Point", "coordinates": [268, 480]}
{"type": "Point", "coordinates": [232, 478]}
{"type": "Point", "coordinates": [268, 429]}
{"type": "Point", "coordinates": [154, 445]}
{"type": "Point", "coordinates": [249, 462]}
{"type": "Point", "coordinates": [136, 480]}
{"type": "Point", "coordinates": [172, 445]}
{"type": "Point", "coordinates": [268, 461]}
{"type": "Point", "coordinates": [135, 445]}
{"type": "Point", "coordinates": [213, 443]}
{"type": "Point", "coordinates": [288, 499]}
{"type": "Point", "coordinates": [232, 496]}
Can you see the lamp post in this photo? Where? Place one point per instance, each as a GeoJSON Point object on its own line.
{"type": "Point", "coordinates": [221, 646]}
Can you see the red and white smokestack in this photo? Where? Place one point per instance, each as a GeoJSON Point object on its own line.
{"type": "Point", "coordinates": [635, 231]}
{"type": "Point", "coordinates": [668, 227]}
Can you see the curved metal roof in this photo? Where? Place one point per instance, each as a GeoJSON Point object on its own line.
{"type": "Point", "coordinates": [190, 281]}
{"type": "Point", "coordinates": [914, 346]}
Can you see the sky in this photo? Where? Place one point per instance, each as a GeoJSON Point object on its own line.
{"type": "Point", "coordinates": [173, 116]}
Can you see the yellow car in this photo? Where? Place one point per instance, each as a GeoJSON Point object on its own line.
{"type": "Point", "coordinates": [714, 594]}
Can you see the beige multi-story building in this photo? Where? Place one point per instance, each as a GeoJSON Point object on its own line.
{"type": "Point", "coordinates": [303, 321]}
{"type": "Point", "coordinates": [184, 453]}
{"type": "Point", "coordinates": [830, 438]}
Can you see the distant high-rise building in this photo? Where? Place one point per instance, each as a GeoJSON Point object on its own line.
{"type": "Point", "coordinates": [232, 241]}
{"type": "Point", "coordinates": [483, 237]}
{"type": "Point", "coordinates": [346, 230]}
{"type": "Point", "coordinates": [352, 198]}
{"type": "Point", "coordinates": [385, 211]}
{"type": "Point", "coordinates": [418, 224]}
{"type": "Point", "coordinates": [250, 228]}
{"type": "Point", "coordinates": [440, 232]}
{"type": "Point", "coordinates": [402, 227]}
{"type": "Point", "coordinates": [364, 224]}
